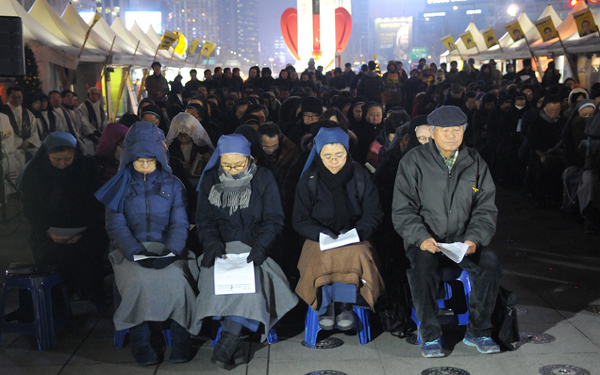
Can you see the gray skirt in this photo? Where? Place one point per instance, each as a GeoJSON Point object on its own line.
{"type": "Point", "coordinates": [155, 295]}
{"type": "Point", "coordinates": [271, 301]}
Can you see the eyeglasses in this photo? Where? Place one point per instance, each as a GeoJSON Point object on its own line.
{"type": "Point", "coordinates": [423, 139]}
{"type": "Point", "coordinates": [271, 148]}
{"type": "Point", "coordinates": [337, 157]}
{"type": "Point", "coordinates": [142, 162]}
{"type": "Point", "coordinates": [310, 116]}
{"type": "Point", "coordinates": [235, 167]}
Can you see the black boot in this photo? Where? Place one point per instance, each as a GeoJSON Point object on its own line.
{"type": "Point", "coordinates": [181, 348]}
{"type": "Point", "coordinates": [224, 350]}
{"type": "Point", "coordinates": [142, 350]}
{"type": "Point", "coordinates": [241, 354]}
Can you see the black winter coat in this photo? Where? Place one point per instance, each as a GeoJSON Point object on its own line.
{"type": "Point", "coordinates": [256, 226]}
{"type": "Point", "coordinates": [313, 214]}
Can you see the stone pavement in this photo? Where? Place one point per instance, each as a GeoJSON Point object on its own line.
{"type": "Point", "coordinates": [548, 262]}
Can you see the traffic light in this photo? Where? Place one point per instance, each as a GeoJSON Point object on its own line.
{"type": "Point", "coordinates": [573, 2]}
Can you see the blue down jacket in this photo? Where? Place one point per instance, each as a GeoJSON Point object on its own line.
{"type": "Point", "coordinates": [153, 211]}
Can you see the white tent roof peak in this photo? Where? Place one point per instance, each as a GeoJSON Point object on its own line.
{"type": "Point", "coordinates": [44, 14]}
{"type": "Point", "coordinates": [32, 30]}
{"type": "Point", "coordinates": [119, 28]}
{"type": "Point", "coordinates": [74, 20]}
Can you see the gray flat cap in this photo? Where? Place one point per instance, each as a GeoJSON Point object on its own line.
{"type": "Point", "coordinates": [447, 116]}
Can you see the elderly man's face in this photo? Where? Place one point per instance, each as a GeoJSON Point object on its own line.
{"type": "Point", "coordinates": [448, 139]}
{"type": "Point", "coordinates": [552, 110]}
{"type": "Point", "coordinates": [94, 95]}
{"type": "Point", "coordinates": [423, 133]}
{"type": "Point", "coordinates": [269, 145]}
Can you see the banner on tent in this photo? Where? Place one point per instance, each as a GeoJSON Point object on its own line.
{"type": "Point", "coordinates": [194, 45]}
{"type": "Point", "coordinates": [448, 41]}
{"type": "Point", "coordinates": [167, 40]}
{"type": "Point", "coordinates": [515, 31]}
{"type": "Point", "coordinates": [584, 19]}
{"type": "Point", "coordinates": [489, 36]}
{"type": "Point", "coordinates": [207, 49]}
{"type": "Point", "coordinates": [546, 28]}
{"type": "Point", "coordinates": [467, 39]}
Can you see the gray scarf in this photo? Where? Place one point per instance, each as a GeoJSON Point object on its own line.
{"type": "Point", "coordinates": [234, 190]}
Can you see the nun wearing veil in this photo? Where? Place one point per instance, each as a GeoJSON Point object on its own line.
{"type": "Point", "coordinates": [336, 195]}
{"type": "Point", "coordinates": [238, 212]}
{"type": "Point", "coordinates": [146, 217]}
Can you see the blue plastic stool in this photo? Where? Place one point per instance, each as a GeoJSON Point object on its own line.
{"type": "Point", "coordinates": [362, 325]}
{"type": "Point", "coordinates": [461, 319]}
{"type": "Point", "coordinates": [271, 337]}
{"type": "Point", "coordinates": [119, 337]}
{"type": "Point", "coordinates": [39, 280]}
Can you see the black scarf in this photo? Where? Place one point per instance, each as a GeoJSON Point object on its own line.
{"type": "Point", "coordinates": [92, 114]}
{"type": "Point", "coordinates": [336, 183]}
{"type": "Point", "coordinates": [25, 122]}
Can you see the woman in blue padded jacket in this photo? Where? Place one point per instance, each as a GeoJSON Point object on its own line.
{"type": "Point", "coordinates": [145, 216]}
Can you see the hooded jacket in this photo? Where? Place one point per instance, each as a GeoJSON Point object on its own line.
{"type": "Point", "coordinates": [145, 208]}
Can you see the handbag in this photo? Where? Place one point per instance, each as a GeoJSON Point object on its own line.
{"type": "Point", "coordinates": [504, 319]}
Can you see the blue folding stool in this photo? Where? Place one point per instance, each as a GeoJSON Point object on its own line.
{"type": "Point", "coordinates": [362, 325]}
{"type": "Point", "coordinates": [39, 280]}
{"type": "Point", "coordinates": [460, 314]}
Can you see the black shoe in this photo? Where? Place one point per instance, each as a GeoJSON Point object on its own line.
{"type": "Point", "coordinates": [241, 355]}
{"type": "Point", "coordinates": [225, 350]}
{"type": "Point", "coordinates": [142, 350]}
{"type": "Point", "coordinates": [181, 347]}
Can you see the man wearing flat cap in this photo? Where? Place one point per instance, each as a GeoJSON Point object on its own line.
{"type": "Point", "coordinates": [444, 193]}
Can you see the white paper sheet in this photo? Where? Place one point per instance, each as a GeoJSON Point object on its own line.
{"type": "Point", "coordinates": [233, 275]}
{"type": "Point", "coordinates": [328, 243]}
{"type": "Point", "coordinates": [455, 251]}
{"type": "Point", "coordinates": [137, 257]}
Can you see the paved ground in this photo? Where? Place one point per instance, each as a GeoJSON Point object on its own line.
{"type": "Point", "coordinates": [548, 262]}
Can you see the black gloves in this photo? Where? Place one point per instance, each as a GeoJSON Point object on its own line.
{"type": "Point", "coordinates": [211, 251]}
{"type": "Point", "coordinates": [157, 263]}
{"type": "Point", "coordinates": [146, 263]}
{"type": "Point", "coordinates": [257, 255]}
{"type": "Point", "coordinates": [328, 232]}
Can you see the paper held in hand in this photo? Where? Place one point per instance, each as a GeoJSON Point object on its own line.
{"type": "Point", "coordinates": [328, 243]}
{"type": "Point", "coordinates": [455, 251]}
{"type": "Point", "coordinates": [138, 257]}
{"type": "Point", "coordinates": [233, 275]}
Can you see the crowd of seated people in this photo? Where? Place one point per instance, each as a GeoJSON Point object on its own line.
{"type": "Point", "coordinates": [266, 166]}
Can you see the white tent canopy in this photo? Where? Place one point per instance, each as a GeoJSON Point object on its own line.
{"type": "Point", "coordinates": [566, 28]}
{"type": "Point", "coordinates": [75, 22]}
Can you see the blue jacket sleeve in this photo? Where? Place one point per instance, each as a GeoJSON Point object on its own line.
{"type": "Point", "coordinates": [177, 231]}
{"type": "Point", "coordinates": [120, 234]}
